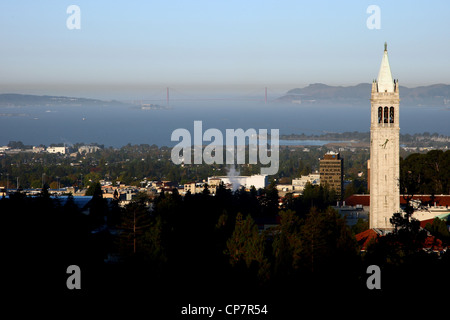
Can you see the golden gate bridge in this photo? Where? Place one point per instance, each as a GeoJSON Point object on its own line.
{"type": "Point", "coordinates": [171, 94]}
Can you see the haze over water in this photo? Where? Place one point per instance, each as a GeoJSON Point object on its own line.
{"type": "Point", "coordinates": [118, 126]}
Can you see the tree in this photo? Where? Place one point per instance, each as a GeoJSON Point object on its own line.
{"type": "Point", "coordinates": [287, 244]}
{"type": "Point", "coordinates": [360, 226]}
{"type": "Point", "coordinates": [74, 226]}
{"type": "Point", "coordinates": [439, 229]}
{"type": "Point", "coordinates": [115, 212]}
{"type": "Point", "coordinates": [316, 196]}
{"type": "Point", "coordinates": [314, 245]}
{"type": "Point", "coordinates": [54, 185]}
{"type": "Point", "coordinates": [349, 190]}
{"type": "Point", "coordinates": [98, 207]}
{"type": "Point", "coordinates": [16, 145]}
{"type": "Point", "coordinates": [269, 201]}
{"type": "Point", "coordinates": [95, 190]}
{"type": "Point", "coordinates": [407, 231]}
{"type": "Point", "coordinates": [431, 172]}
{"type": "Point", "coordinates": [326, 239]}
{"type": "Point", "coordinates": [134, 240]}
{"type": "Point", "coordinates": [247, 245]}
{"type": "Point", "coordinates": [206, 191]}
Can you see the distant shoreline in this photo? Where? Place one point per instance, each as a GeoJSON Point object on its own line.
{"type": "Point", "coordinates": [362, 139]}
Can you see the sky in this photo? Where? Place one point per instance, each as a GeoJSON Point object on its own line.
{"type": "Point", "coordinates": [135, 49]}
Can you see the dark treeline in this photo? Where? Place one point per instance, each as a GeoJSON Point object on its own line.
{"type": "Point", "coordinates": [209, 249]}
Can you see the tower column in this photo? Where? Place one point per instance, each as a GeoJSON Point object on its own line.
{"type": "Point", "coordinates": [384, 148]}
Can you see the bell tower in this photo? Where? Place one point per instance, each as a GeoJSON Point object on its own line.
{"type": "Point", "coordinates": [384, 147]}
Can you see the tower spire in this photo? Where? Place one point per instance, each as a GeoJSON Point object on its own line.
{"type": "Point", "coordinates": [385, 83]}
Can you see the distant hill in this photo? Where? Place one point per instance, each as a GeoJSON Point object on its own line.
{"type": "Point", "coordinates": [433, 95]}
{"type": "Point", "coordinates": [23, 100]}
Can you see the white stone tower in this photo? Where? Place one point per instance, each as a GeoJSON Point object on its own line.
{"type": "Point", "coordinates": [384, 148]}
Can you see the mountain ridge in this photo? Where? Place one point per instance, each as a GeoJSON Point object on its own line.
{"type": "Point", "coordinates": [431, 95]}
{"type": "Point", "coordinates": [22, 100]}
{"type": "Point", "coordinates": [316, 93]}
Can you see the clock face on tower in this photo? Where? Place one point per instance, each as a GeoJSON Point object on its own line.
{"type": "Point", "coordinates": [384, 144]}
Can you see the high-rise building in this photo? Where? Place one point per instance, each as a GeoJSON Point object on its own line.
{"type": "Point", "coordinates": [332, 172]}
{"type": "Point", "coordinates": [384, 148]}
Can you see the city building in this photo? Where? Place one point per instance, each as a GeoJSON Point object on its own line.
{"type": "Point", "coordinates": [199, 187]}
{"type": "Point", "coordinates": [384, 147]}
{"type": "Point", "coordinates": [259, 181]}
{"type": "Point", "coordinates": [300, 183]}
{"type": "Point", "coordinates": [61, 150]}
{"type": "Point", "coordinates": [425, 206]}
{"type": "Point", "coordinates": [38, 149]}
{"type": "Point", "coordinates": [88, 149]}
{"type": "Point", "coordinates": [332, 172]}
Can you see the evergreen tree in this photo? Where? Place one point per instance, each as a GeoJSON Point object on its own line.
{"type": "Point", "coordinates": [360, 226]}
{"type": "Point", "coordinates": [135, 223]}
{"type": "Point", "coordinates": [440, 230]}
{"type": "Point", "coordinates": [115, 212]}
{"type": "Point", "coordinates": [287, 245]}
{"type": "Point", "coordinates": [269, 201]}
{"type": "Point", "coordinates": [326, 239]}
{"type": "Point", "coordinates": [247, 245]}
{"type": "Point", "coordinates": [98, 207]}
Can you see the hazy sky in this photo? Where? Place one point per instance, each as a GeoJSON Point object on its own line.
{"type": "Point", "coordinates": [141, 47]}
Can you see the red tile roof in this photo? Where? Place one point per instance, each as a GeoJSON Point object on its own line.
{"type": "Point", "coordinates": [364, 199]}
{"type": "Point", "coordinates": [423, 223]}
{"type": "Point", "coordinates": [365, 237]}
{"type": "Point", "coordinates": [353, 200]}
{"type": "Point", "coordinates": [441, 200]}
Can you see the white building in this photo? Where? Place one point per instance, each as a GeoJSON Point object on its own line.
{"type": "Point", "coordinates": [384, 148]}
{"type": "Point", "coordinates": [88, 149]}
{"type": "Point", "coordinates": [61, 150]}
{"type": "Point", "coordinates": [259, 181]}
{"type": "Point", "coordinates": [299, 183]}
{"type": "Point", "coordinates": [198, 187]}
{"type": "Point", "coordinates": [38, 149]}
